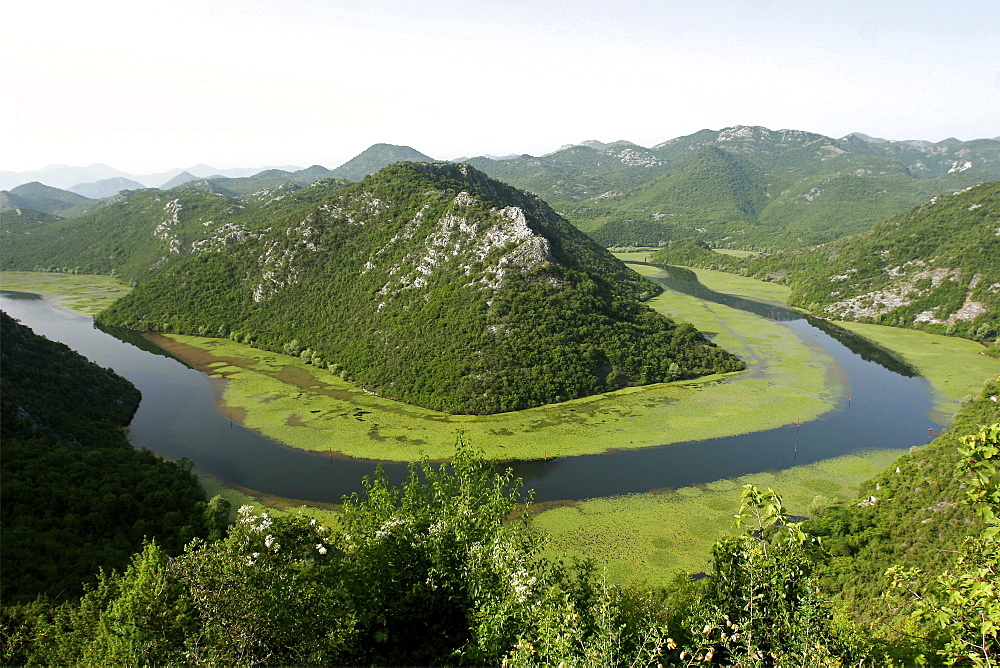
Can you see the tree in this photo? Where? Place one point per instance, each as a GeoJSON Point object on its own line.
{"type": "Point", "coordinates": [761, 605]}
{"type": "Point", "coordinates": [960, 610]}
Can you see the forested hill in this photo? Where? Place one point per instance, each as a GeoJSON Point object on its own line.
{"type": "Point", "coordinates": [76, 496]}
{"type": "Point", "coordinates": [937, 264]}
{"type": "Point", "coordinates": [744, 187]}
{"type": "Point", "coordinates": [137, 235]}
{"type": "Point", "coordinates": [435, 285]}
{"type": "Point", "coordinates": [934, 267]}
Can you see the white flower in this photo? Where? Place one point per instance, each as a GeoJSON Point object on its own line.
{"type": "Point", "coordinates": [321, 548]}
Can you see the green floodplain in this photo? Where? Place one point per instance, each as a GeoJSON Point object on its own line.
{"type": "Point", "coordinates": [309, 408]}
{"type": "Point", "coordinates": [635, 538]}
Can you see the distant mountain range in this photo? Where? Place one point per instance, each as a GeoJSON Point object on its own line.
{"type": "Point", "coordinates": [71, 178]}
{"type": "Point", "coordinates": [741, 187]}
{"type": "Point", "coordinates": [106, 187]}
{"type": "Point", "coordinates": [744, 187]}
{"type": "Point", "coordinates": [40, 197]}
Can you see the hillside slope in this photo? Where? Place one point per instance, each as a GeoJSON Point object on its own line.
{"type": "Point", "coordinates": [435, 285]}
{"type": "Point", "coordinates": [934, 267]}
{"type": "Point", "coordinates": [41, 197]}
{"type": "Point", "coordinates": [937, 265]}
{"type": "Point", "coordinates": [806, 188]}
{"type": "Point", "coordinates": [136, 236]}
{"type": "Point", "coordinates": [374, 158]}
{"type": "Point", "coordinates": [77, 497]}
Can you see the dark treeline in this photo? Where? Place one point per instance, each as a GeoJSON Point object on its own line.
{"type": "Point", "coordinates": [76, 497]}
{"type": "Point", "coordinates": [446, 570]}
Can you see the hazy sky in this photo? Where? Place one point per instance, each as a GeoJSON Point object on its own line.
{"type": "Point", "coordinates": [145, 86]}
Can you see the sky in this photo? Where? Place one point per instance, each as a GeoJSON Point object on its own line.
{"type": "Point", "coordinates": [152, 85]}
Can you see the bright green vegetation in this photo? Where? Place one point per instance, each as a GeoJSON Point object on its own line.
{"type": "Point", "coordinates": [733, 284]}
{"type": "Point", "coordinates": [445, 570]}
{"type": "Point", "coordinates": [915, 514]}
{"type": "Point", "coordinates": [933, 267]}
{"type": "Point", "coordinates": [86, 294]}
{"type": "Point", "coordinates": [236, 498]}
{"type": "Point", "coordinates": [306, 407]}
{"type": "Point", "coordinates": [956, 368]}
{"type": "Point", "coordinates": [743, 187]}
{"type": "Point", "coordinates": [76, 496]}
{"type": "Point", "coordinates": [135, 236]}
{"type": "Point", "coordinates": [734, 252]}
{"type": "Point", "coordinates": [650, 538]}
{"type": "Point", "coordinates": [23, 221]}
{"type": "Point", "coordinates": [437, 286]}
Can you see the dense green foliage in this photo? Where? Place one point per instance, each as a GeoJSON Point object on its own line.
{"type": "Point", "coordinates": [439, 571]}
{"type": "Point", "coordinates": [744, 187]}
{"type": "Point", "coordinates": [912, 515]}
{"type": "Point", "coordinates": [76, 496]}
{"type": "Point", "coordinates": [960, 608]}
{"type": "Point", "coordinates": [444, 570]}
{"type": "Point", "coordinates": [23, 221]}
{"type": "Point", "coordinates": [435, 285]}
{"type": "Point", "coordinates": [138, 235]}
{"type": "Point", "coordinates": [934, 267]}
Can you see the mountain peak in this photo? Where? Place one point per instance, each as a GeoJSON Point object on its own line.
{"type": "Point", "coordinates": [374, 158]}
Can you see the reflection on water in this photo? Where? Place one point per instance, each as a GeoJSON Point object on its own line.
{"type": "Point", "coordinates": [177, 417]}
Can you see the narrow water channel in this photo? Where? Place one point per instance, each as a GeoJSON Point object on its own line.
{"type": "Point", "coordinates": [178, 418]}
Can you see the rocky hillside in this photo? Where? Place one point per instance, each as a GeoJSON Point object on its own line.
{"type": "Point", "coordinates": [937, 264]}
{"type": "Point", "coordinates": [934, 267]}
{"type": "Point", "coordinates": [435, 285]}
{"type": "Point", "coordinates": [137, 235]}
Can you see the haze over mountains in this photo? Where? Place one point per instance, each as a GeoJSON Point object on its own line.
{"type": "Point", "coordinates": [70, 178]}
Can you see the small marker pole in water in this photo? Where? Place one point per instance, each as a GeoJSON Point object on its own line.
{"type": "Point", "coordinates": [797, 426]}
{"type": "Point", "coordinates": [230, 420]}
{"type": "Point", "coordinates": [850, 396]}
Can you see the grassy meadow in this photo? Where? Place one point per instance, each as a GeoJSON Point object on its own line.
{"type": "Point", "coordinates": [649, 538]}
{"type": "Point", "coordinates": [83, 293]}
{"type": "Point", "coordinates": [635, 538]}
{"type": "Point", "coordinates": [308, 408]}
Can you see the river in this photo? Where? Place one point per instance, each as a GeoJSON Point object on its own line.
{"type": "Point", "coordinates": [178, 418]}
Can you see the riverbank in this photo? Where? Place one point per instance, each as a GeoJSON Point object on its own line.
{"type": "Point", "coordinates": [789, 379]}
{"type": "Point", "coordinates": [83, 293]}
{"type": "Point", "coordinates": [639, 536]}
{"type": "Point", "coordinates": [649, 538]}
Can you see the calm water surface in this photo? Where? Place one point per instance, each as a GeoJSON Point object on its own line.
{"type": "Point", "coordinates": [178, 418]}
